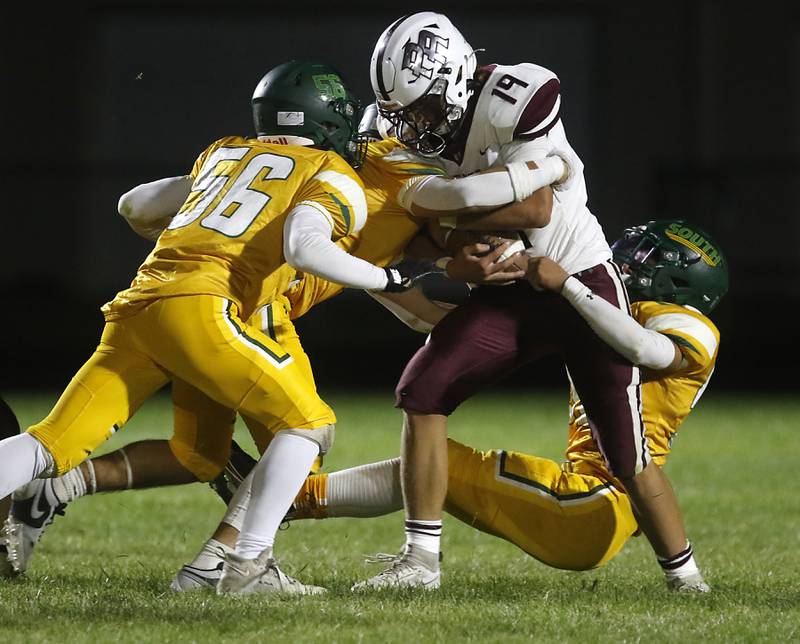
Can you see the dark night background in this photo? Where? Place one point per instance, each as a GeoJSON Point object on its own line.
{"type": "Point", "coordinates": [678, 108]}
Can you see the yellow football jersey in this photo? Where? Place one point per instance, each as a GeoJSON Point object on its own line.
{"type": "Point", "coordinates": [667, 399]}
{"type": "Point", "coordinates": [227, 238]}
{"type": "Point", "coordinates": [389, 227]}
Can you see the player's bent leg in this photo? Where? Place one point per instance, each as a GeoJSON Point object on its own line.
{"type": "Point", "coordinates": [564, 519]}
{"type": "Point", "coordinates": [239, 366]}
{"type": "Point", "coordinates": [660, 517]}
{"type": "Point", "coordinates": [276, 480]}
{"type": "Point", "coordinates": [203, 430]}
{"type": "Point", "coordinates": [424, 483]}
{"type": "Point", "coordinates": [473, 345]}
{"type": "Point", "coordinates": [235, 364]}
{"type": "Point", "coordinates": [274, 320]}
{"type": "Point", "coordinates": [101, 397]}
{"type": "Point", "coordinates": [99, 400]}
{"type": "Point", "coordinates": [262, 436]}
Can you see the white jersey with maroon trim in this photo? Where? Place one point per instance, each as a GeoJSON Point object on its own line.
{"type": "Point", "coordinates": [516, 118]}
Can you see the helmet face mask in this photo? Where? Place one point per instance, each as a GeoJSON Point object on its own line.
{"type": "Point", "coordinates": [421, 72]}
{"type": "Point", "coordinates": [427, 124]}
{"type": "Point", "coordinates": [672, 261]}
{"type": "Point", "coordinates": [309, 102]}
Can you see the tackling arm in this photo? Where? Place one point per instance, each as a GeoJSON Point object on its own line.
{"type": "Point", "coordinates": [480, 193]}
{"type": "Point", "coordinates": [643, 347]}
{"type": "Point", "coordinates": [412, 308]}
{"type": "Point", "coordinates": [148, 208]}
{"type": "Point", "coordinates": [307, 246]}
{"type": "Point", "coordinates": [533, 212]}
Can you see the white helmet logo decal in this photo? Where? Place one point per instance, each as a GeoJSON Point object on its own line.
{"type": "Point", "coordinates": [425, 51]}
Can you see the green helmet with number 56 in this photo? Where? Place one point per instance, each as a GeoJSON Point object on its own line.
{"type": "Point", "coordinates": [308, 103]}
{"type": "Point", "coordinates": [672, 260]}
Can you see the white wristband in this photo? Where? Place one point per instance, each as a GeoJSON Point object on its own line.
{"type": "Point", "coordinates": [526, 181]}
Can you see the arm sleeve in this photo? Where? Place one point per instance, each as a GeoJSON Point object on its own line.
{"type": "Point", "coordinates": [482, 190]}
{"type": "Point", "coordinates": [149, 207]}
{"type": "Point", "coordinates": [619, 330]}
{"type": "Point", "coordinates": [307, 247]}
{"type": "Point", "coordinates": [412, 308]}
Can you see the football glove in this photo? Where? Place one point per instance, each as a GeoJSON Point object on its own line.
{"type": "Point", "coordinates": [407, 273]}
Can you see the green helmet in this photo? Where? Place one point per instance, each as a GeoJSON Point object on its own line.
{"type": "Point", "coordinates": [310, 100]}
{"type": "Point", "coordinates": [672, 260]}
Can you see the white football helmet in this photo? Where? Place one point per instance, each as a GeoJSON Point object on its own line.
{"type": "Point", "coordinates": [374, 126]}
{"type": "Point", "coordinates": [421, 73]}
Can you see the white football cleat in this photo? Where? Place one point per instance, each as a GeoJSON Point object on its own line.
{"type": "Point", "coordinates": [33, 508]}
{"type": "Point", "coordinates": [689, 584]}
{"type": "Point", "coordinates": [7, 569]}
{"type": "Point", "coordinates": [204, 571]}
{"type": "Point", "coordinates": [192, 578]}
{"type": "Point", "coordinates": [412, 568]}
{"type": "Point", "coordinates": [242, 576]}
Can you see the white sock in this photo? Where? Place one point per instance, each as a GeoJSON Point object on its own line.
{"type": "Point", "coordinates": [424, 534]}
{"type": "Point", "coordinates": [70, 486]}
{"type": "Point", "coordinates": [237, 508]}
{"type": "Point", "coordinates": [680, 565]}
{"type": "Point", "coordinates": [22, 459]}
{"type": "Point", "coordinates": [365, 491]}
{"type": "Point", "coordinates": [277, 479]}
{"type": "Point", "coordinates": [209, 555]}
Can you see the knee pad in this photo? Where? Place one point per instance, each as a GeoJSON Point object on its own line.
{"type": "Point", "coordinates": [322, 436]}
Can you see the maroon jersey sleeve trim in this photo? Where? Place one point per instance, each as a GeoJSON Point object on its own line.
{"type": "Point", "coordinates": [541, 113]}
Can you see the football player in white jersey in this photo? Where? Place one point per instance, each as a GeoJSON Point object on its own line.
{"type": "Point", "coordinates": [428, 87]}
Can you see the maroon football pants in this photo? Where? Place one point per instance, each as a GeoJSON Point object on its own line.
{"type": "Point", "coordinates": [500, 328]}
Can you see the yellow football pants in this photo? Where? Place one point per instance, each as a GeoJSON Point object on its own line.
{"type": "Point", "coordinates": [198, 339]}
{"type": "Point", "coordinates": [203, 428]}
{"type": "Point", "coordinates": [563, 519]}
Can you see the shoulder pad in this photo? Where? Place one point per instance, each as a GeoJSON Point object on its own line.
{"type": "Point", "coordinates": [689, 329]}
{"type": "Point", "coordinates": [402, 159]}
{"type": "Point", "coordinates": [523, 101]}
{"type": "Point", "coordinates": [333, 161]}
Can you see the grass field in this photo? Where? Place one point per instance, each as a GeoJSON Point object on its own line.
{"type": "Point", "coordinates": [101, 572]}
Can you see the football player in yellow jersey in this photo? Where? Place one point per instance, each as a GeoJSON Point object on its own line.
{"type": "Point", "coordinates": [574, 515]}
{"type": "Point", "coordinates": [252, 202]}
{"type": "Point", "coordinates": [203, 428]}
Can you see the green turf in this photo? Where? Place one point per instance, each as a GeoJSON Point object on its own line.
{"type": "Point", "coordinates": [101, 573]}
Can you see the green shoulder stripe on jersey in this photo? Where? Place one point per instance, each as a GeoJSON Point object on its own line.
{"type": "Point", "coordinates": [344, 210]}
{"type": "Point", "coordinates": [278, 358]}
{"type": "Point", "coordinates": [543, 488]}
{"type": "Point", "coordinates": [683, 342]}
